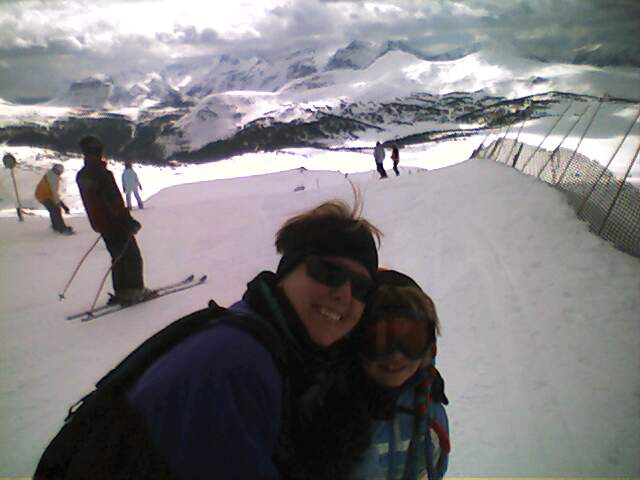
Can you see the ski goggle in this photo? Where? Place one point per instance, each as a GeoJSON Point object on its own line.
{"type": "Point", "coordinates": [333, 275]}
{"type": "Point", "coordinates": [400, 330]}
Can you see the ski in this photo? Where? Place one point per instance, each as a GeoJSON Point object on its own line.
{"type": "Point", "coordinates": [106, 309]}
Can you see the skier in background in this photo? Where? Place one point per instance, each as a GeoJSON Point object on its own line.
{"type": "Point", "coordinates": [378, 155]}
{"type": "Point", "coordinates": [47, 194]}
{"type": "Point", "coordinates": [130, 184]}
{"type": "Point", "coordinates": [395, 156]}
{"type": "Point", "coordinates": [110, 218]}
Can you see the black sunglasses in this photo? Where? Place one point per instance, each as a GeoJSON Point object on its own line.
{"type": "Point", "coordinates": [333, 274]}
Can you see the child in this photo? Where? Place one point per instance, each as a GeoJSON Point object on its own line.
{"type": "Point", "coordinates": [410, 429]}
{"type": "Point", "coordinates": [47, 194]}
{"type": "Point", "coordinates": [384, 417]}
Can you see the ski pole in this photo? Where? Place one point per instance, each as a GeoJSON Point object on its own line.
{"type": "Point", "coordinates": [19, 207]}
{"type": "Point", "coordinates": [61, 295]}
{"type": "Point", "coordinates": [104, 278]}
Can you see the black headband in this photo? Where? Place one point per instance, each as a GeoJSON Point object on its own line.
{"type": "Point", "coordinates": [328, 236]}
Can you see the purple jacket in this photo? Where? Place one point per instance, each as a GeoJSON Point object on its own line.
{"type": "Point", "coordinates": [213, 405]}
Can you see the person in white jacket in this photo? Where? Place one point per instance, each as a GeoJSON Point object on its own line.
{"type": "Point", "coordinates": [130, 184]}
{"type": "Point", "coordinates": [378, 155]}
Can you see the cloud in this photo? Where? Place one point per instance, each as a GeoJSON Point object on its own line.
{"type": "Point", "coordinates": [555, 30]}
{"type": "Point", "coordinates": [38, 36]}
{"type": "Point", "coordinates": [188, 35]}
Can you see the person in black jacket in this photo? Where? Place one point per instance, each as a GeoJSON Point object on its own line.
{"type": "Point", "coordinates": [395, 156]}
{"type": "Point", "coordinates": [110, 218]}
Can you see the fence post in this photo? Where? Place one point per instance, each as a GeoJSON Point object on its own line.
{"type": "Point", "coordinates": [498, 142]}
{"type": "Point", "coordinates": [615, 199]}
{"type": "Point", "coordinates": [517, 156]}
{"type": "Point", "coordinates": [480, 147]}
{"type": "Point", "coordinates": [546, 136]}
{"type": "Point", "coordinates": [580, 142]}
{"type": "Point", "coordinates": [515, 142]}
{"type": "Point", "coordinates": [502, 142]}
{"type": "Point", "coordinates": [557, 149]}
{"type": "Point", "coordinates": [584, 202]}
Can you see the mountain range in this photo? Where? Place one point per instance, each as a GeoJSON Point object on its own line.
{"type": "Point", "coordinates": [208, 108]}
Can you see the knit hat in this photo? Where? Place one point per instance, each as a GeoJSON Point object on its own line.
{"type": "Point", "coordinates": [395, 278]}
{"type": "Point", "coordinates": [90, 145]}
{"type": "Point", "coordinates": [327, 236]}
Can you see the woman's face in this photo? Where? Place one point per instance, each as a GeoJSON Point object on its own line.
{"type": "Point", "coordinates": [392, 370]}
{"type": "Point", "coordinates": [328, 313]}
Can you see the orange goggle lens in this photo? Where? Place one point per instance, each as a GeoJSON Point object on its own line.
{"type": "Point", "coordinates": [407, 335]}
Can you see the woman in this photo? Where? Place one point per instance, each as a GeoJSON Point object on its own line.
{"type": "Point", "coordinates": [230, 400]}
{"type": "Point", "coordinates": [387, 420]}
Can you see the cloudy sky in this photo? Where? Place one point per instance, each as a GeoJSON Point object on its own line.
{"type": "Point", "coordinates": [46, 44]}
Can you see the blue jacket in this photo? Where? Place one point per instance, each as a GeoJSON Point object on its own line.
{"type": "Point", "coordinates": [213, 405]}
{"type": "Point", "coordinates": [386, 458]}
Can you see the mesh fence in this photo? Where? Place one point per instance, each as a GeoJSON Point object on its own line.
{"type": "Point", "coordinates": [610, 205]}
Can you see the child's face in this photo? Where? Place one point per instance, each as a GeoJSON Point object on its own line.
{"type": "Point", "coordinates": [391, 370]}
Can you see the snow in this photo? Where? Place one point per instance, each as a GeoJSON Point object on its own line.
{"type": "Point", "coordinates": [540, 317]}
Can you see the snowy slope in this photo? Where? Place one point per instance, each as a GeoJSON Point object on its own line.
{"type": "Point", "coordinates": [603, 141]}
{"type": "Point", "coordinates": [540, 338]}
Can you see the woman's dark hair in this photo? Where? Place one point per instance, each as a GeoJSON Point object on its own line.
{"type": "Point", "coordinates": [332, 229]}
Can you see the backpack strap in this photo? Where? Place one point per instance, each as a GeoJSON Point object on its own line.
{"type": "Point", "coordinates": [161, 342]}
{"type": "Point", "coordinates": [265, 333]}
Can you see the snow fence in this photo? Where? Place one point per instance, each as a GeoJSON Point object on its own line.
{"type": "Point", "coordinates": [609, 204]}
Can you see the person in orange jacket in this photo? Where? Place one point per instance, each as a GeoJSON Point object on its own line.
{"type": "Point", "coordinates": [47, 194]}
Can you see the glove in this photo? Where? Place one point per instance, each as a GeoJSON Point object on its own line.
{"type": "Point", "coordinates": [437, 390]}
{"type": "Point", "coordinates": [64, 207]}
{"type": "Point", "coordinates": [134, 226]}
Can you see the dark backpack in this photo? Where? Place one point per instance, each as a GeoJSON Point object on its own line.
{"type": "Point", "coordinates": [103, 437]}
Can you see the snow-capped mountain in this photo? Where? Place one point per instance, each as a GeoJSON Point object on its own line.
{"type": "Point", "coordinates": [204, 76]}
{"type": "Point", "coordinates": [210, 107]}
{"type": "Point", "coordinates": [104, 92]}
{"type": "Point", "coordinates": [92, 92]}
{"type": "Point", "coordinates": [356, 56]}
